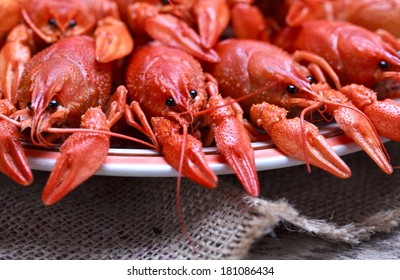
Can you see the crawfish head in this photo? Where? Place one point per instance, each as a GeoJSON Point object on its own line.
{"type": "Point", "coordinates": [380, 58]}
{"type": "Point", "coordinates": [52, 20]}
{"type": "Point", "coordinates": [60, 84]}
{"type": "Point", "coordinates": [356, 54]}
{"type": "Point", "coordinates": [257, 71]}
{"type": "Point", "coordinates": [166, 82]}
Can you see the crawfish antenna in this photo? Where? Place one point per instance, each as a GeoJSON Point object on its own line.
{"type": "Point", "coordinates": [88, 130]}
{"type": "Point", "coordinates": [178, 188]}
{"type": "Point", "coordinates": [319, 62]}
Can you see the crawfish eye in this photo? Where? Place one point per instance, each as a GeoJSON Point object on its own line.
{"type": "Point", "coordinates": [165, 2]}
{"type": "Point", "coordinates": [193, 93]}
{"type": "Point", "coordinates": [291, 89]}
{"type": "Point", "coordinates": [170, 102]}
{"type": "Point", "coordinates": [311, 79]}
{"type": "Point", "coordinates": [52, 22]}
{"type": "Point", "coordinates": [53, 104]}
{"type": "Point", "coordinates": [383, 65]}
{"type": "Point", "coordinates": [72, 23]}
{"type": "Point", "coordinates": [29, 105]}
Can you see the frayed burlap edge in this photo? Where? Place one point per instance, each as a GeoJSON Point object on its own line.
{"type": "Point", "coordinates": [271, 213]}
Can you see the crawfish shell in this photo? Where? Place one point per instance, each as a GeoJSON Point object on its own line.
{"type": "Point", "coordinates": [68, 72]}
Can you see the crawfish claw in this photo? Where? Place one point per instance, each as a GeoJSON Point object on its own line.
{"type": "Point", "coordinates": [113, 40]}
{"type": "Point", "coordinates": [234, 143]}
{"type": "Point", "coordinates": [212, 18]}
{"type": "Point", "coordinates": [13, 162]}
{"type": "Point", "coordinates": [194, 164]}
{"type": "Point", "coordinates": [175, 33]}
{"type": "Point", "coordinates": [384, 114]}
{"type": "Point", "coordinates": [232, 139]}
{"type": "Point", "coordinates": [357, 127]}
{"type": "Point", "coordinates": [305, 143]}
{"type": "Point", "coordinates": [82, 154]}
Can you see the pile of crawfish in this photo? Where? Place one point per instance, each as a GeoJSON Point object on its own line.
{"type": "Point", "coordinates": [184, 74]}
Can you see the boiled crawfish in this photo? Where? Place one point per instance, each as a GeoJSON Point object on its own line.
{"type": "Point", "coordinates": [248, 66]}
{"type": "Point", "coordinates": [171, 89]}
{"type": "Point", "coordinates": [370, 14]}
{"type": "Point", "coordinates": [49, 21]}
{"type": "Point", "coordinates": [64, 87]}
{"type": "Point", "coordinates": [53, 20]}
{"type": "Point", "coordinates": [342, 45]}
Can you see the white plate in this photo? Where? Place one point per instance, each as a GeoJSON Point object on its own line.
{"type": "Point", "coordinates": [149, 163]}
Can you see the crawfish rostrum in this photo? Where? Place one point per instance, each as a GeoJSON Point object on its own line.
{"type": "Point", "coordinates": [187, 74]}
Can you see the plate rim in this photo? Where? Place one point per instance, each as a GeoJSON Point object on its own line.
{"type": "Point", "coordinates": [154, 165]}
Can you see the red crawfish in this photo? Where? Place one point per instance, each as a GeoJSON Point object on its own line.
{"type": "Point", "coordinates": [359, 57]}
{"type": "Point", "coordinates": [52, 20]}
{"type": "Point", "coordinates": [47, 21]}
{"type": "Point", "coordinates": [370, 14]}
{"type": "Point", "coordinates": [64, 87]}
{"type": "Point", "coordinates": [171, 89]}
{"type": "Point", "coordinates": [249, 66]}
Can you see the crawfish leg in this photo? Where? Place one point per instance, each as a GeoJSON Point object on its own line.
{"type": "Point", "coordinates": [143, 125]}
{"type": "Point", "coordinates": [116, 106]}
{"type": "Point", "coordinates": [168, 139]}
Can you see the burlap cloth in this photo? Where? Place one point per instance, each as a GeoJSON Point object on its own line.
{"type": "Point", "coordinates": [316, 215]}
